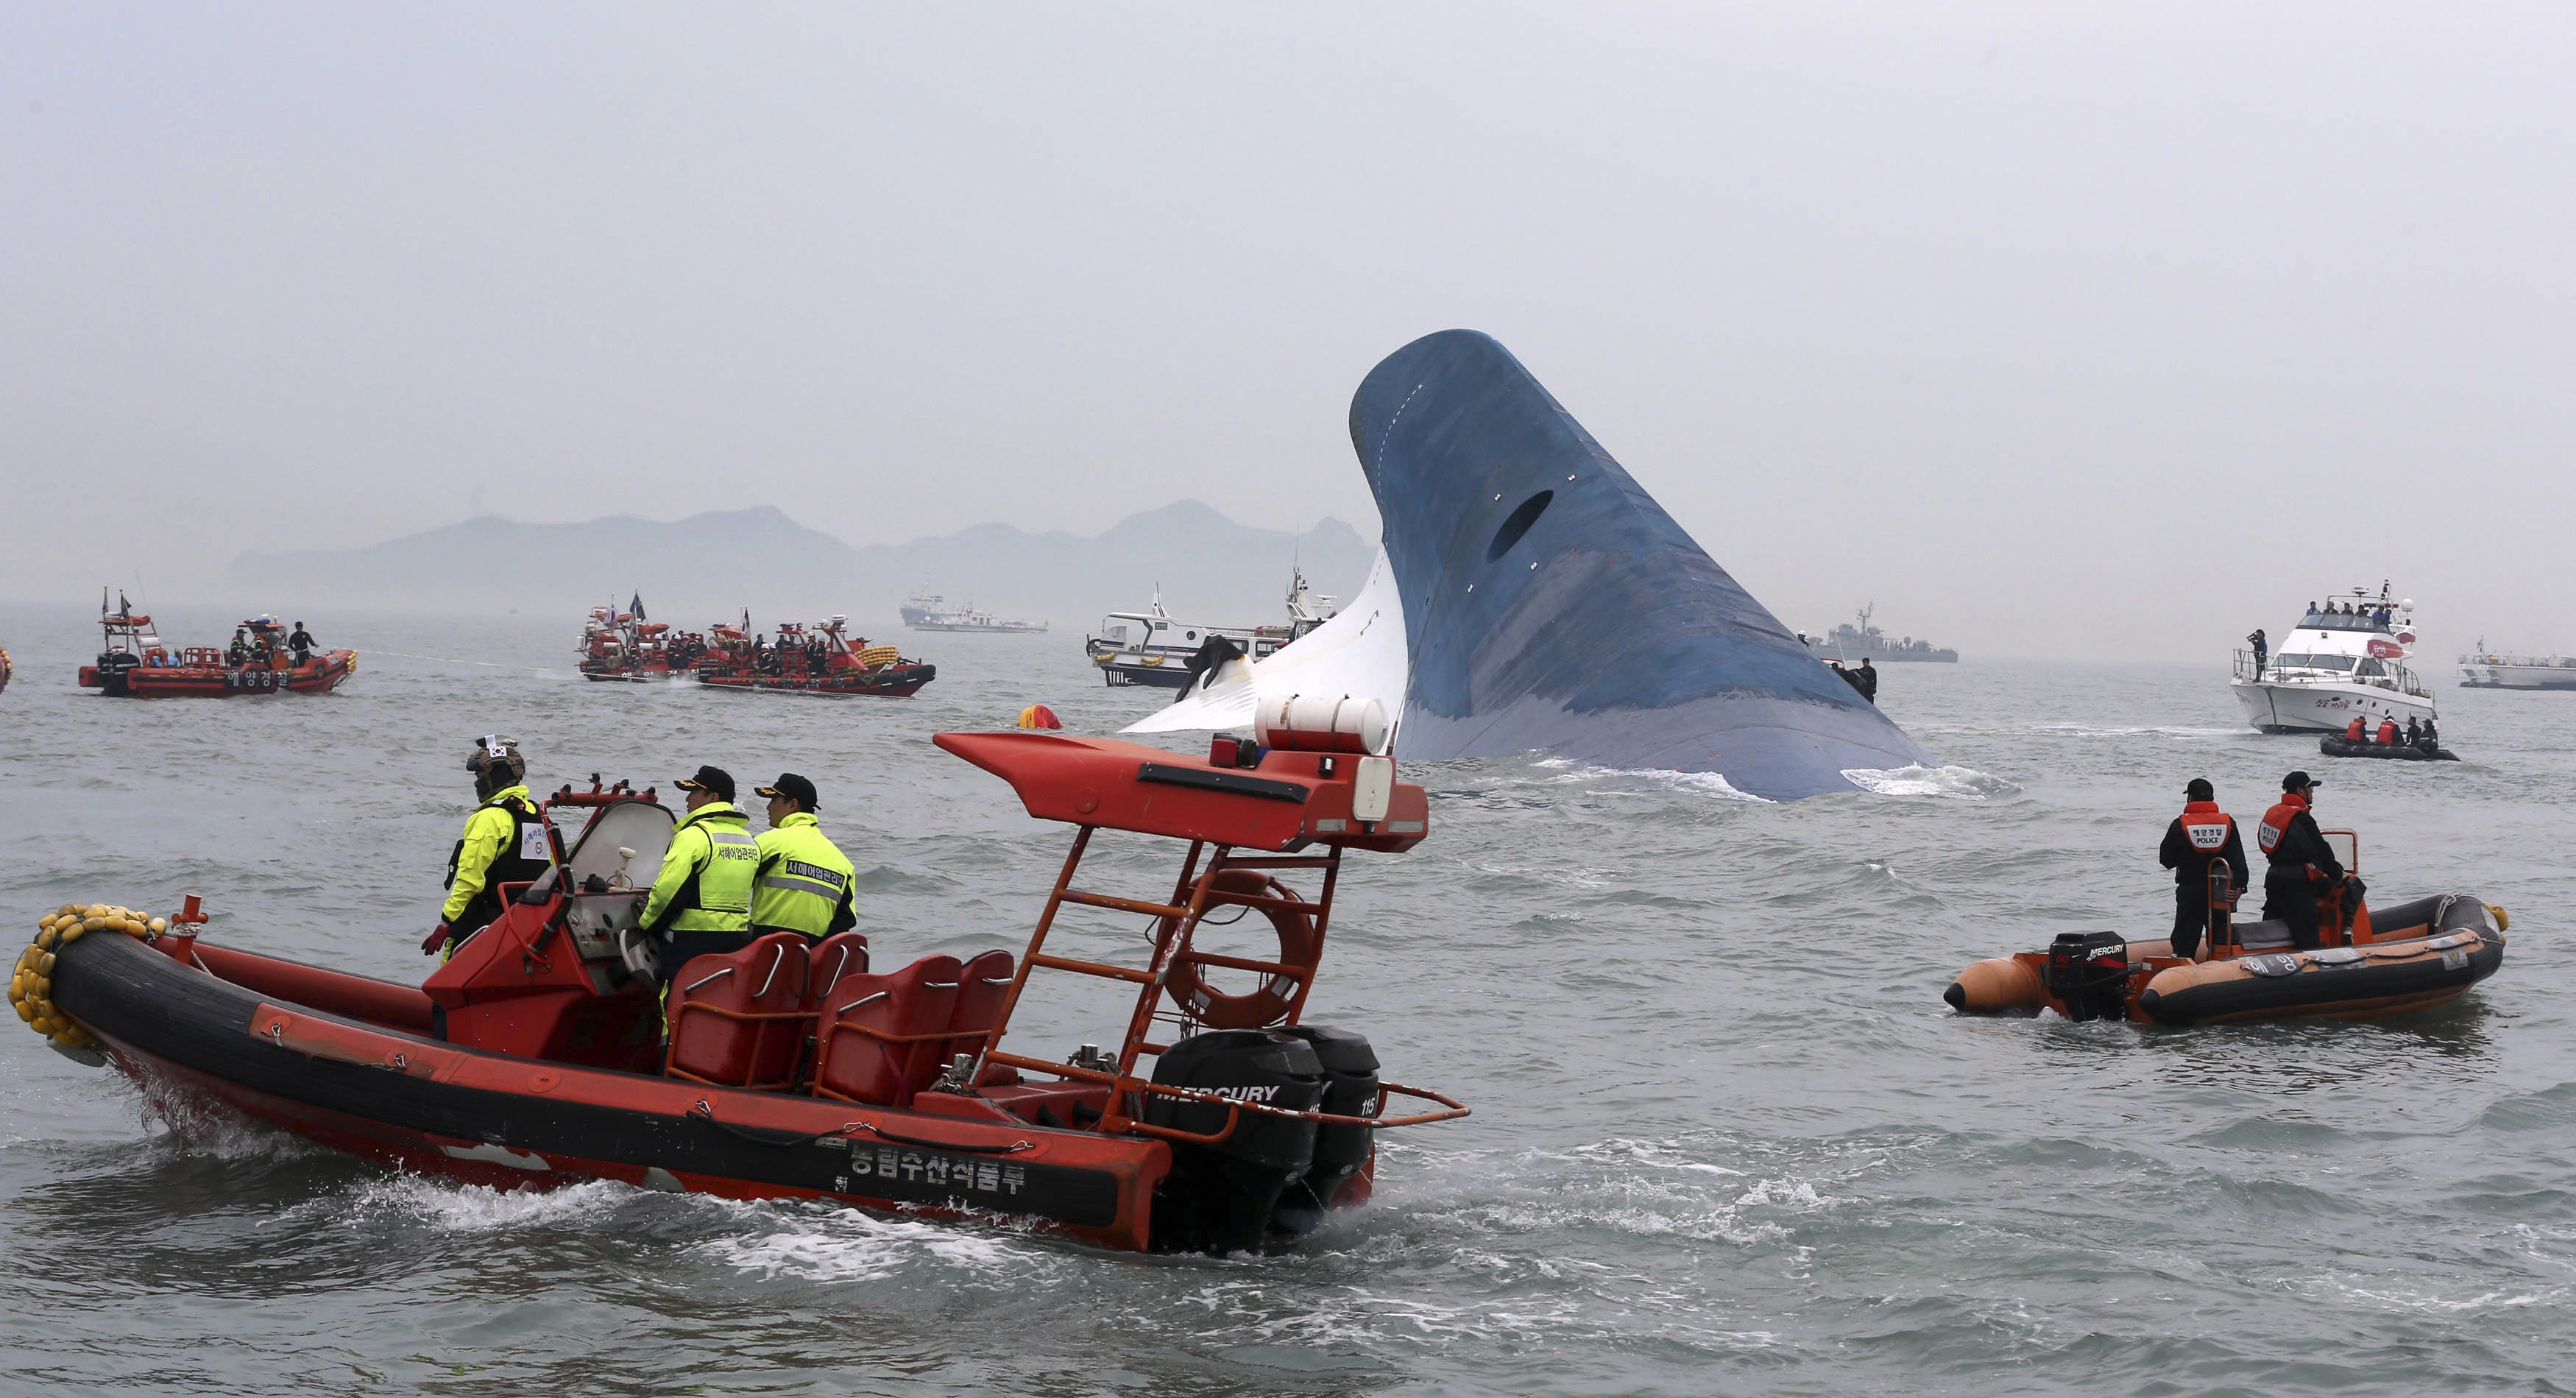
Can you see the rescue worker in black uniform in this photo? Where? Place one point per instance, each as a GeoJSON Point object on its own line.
{"type": "Point", "coordinates": [2200, 834]}
{"type": "Point", "coordinates": [1867, 680]}
{"type": "Point", "coordinates": [301, 643]}
{"type": "Point", "coordinates": [2262, 649]}
{"type": "Point", "coordinates": [2303, 865]}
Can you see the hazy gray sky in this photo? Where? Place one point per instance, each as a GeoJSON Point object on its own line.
{"type": "Point", "coordinates": [2054, 329]}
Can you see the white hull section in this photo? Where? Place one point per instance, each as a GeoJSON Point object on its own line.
{"type": "Point", "coordinates": [2324, 706]}
{"type": "Point", "coordinates": [2477, 676]}
{"type": "Point", "coordinates": [1360, 653]}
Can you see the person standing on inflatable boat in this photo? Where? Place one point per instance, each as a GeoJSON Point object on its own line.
{"type": "Point", "coordinates": [2303, 865]}
{"type": "Point", "coordinates": [701, 901]}
{"type": "Point", "coordinates": [2200, 834]}
{"type": "Point", "coordinates": [506, 840]}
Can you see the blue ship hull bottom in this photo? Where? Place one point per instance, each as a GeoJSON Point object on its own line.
{"type": "Point", "coordinates": [1551, 605]}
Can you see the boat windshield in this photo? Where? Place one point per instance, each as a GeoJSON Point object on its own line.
{"type": "Point", "coordinates": [2342, 621]}
{"type": "Point", "coordinates": [2297, 660]}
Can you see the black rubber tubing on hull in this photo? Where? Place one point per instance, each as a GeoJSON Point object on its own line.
{"type": "Point", "coordinates": [128, 992]}
{"type": "Point", "coordinates": [2308, 992]}
{"type": "Point", "coordinates": [2332, 746]}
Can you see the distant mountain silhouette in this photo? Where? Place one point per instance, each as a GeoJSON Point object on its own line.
{"type": "Point", "coordinates": [1209, 567]}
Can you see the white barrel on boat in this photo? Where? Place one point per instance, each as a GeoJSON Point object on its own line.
{"type": "Point", "coordinates": [1321, 723]}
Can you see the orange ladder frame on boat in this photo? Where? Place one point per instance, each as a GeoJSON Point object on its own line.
{"type": "Point", "coordinates": [1172, 949]}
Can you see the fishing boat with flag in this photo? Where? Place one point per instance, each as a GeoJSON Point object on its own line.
{"type": "Point", "coordinates": [624, 644]}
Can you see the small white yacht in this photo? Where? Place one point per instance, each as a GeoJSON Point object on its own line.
{"type": "Point", "coordinates": [2343, 661]}
{"type": "Point", "coordinates": [1151, 648]}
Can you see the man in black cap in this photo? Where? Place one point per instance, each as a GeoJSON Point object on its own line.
{"type": "Point", "coordinates": [806, 884]}
{"type": "Point", "coordinates": [701, 901]}
{"type": "Point", "coordinates": [2303, 865]}
{"type": "Point", "coordinates": [2200, 834]}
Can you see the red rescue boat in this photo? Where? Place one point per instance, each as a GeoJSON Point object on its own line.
{"type": "Point", "coordinates": [134, 664]}
{"type": "Point", "coordinates": [622, 644]}
{"type": "Point", "coordinates": [539, 1056]}
{"type": "Point", "coordinates": [819, 659]}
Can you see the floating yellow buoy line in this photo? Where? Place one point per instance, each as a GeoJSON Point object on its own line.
{"type": "Point", "coordinates": [31, 986]}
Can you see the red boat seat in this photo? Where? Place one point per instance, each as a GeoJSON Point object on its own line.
{"type": "Point", "coordinates": [843, 954]}
{"type": "Point", "coordinates": [982, 985]}
{"type": "Point", "coordinates": [880, 1037]}
{"type": "Point", "coordinates": [738, 1019]}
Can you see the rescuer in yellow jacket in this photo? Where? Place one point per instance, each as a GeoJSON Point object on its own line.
{"type": "Point", "coordinates": [701, 901]}
{"type": "Point", "coordinates": [506, 840]}
{"type": "Point", "coordinates": [806, 884]}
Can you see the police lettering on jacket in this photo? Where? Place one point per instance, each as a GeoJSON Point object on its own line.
{"type": "Point", "coordinates": [2208, 828]}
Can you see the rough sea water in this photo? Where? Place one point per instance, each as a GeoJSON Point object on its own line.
{"type": "Point", "coordinates": [1727, 1137]}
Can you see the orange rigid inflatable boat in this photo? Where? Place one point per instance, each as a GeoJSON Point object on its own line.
{"type": "Point", "coordinates": [2410, 957]}
{"type": "Point", "coordinates": [543, 1053]}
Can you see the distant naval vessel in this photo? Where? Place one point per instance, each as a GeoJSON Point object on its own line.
{"type": "Point", "coordinates": [1853, 644]}
{"type": "Point", "coordinates": [925, 610]}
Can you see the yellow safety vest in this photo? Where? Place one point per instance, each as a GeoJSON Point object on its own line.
{"type": "Point", "coordinates": [805, 882]}
{"type": "Point", "coordinates": [705, 883]}
{"type": "Point", "coordinates": [505, 841]}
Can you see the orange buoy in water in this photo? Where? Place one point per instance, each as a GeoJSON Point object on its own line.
{"type": "Point", "coordinates": [1039, 716]}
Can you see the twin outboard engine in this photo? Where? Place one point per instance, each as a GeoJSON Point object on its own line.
{"type": "Point", "coordinates": [1350, 1089]}
{"type": "Point", "coordinates": [113, 667]}
{"type": "Point", "coordinates": [1219, 1198]}
{"type": "Point", "coordinates": [2088, 972]}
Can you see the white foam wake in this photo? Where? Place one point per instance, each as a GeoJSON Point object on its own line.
{"type": "Point", "coordinates": [1951, 783]}
{"type": "Point", "coordinates": [843, 1245]}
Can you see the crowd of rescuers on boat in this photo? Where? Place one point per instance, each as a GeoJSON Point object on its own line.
{"type": "Point", "coordinates": [772, 660]}
{"type": "Point", "coordinates": [2302, 866]}
{"type": "Point", "coordinates": [688, 647]}
{"type": "Point", "coordinates": [719, 887]}
{"type": "Point", "coordinates": [247, 650]}
{"type": "Point", "coordinates": [2423, 735]}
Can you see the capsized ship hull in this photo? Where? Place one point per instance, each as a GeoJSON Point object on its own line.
{"type": "Point", "coordinates": [1550, 604]}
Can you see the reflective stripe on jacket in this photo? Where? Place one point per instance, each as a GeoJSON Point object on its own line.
{"type": "Point", "coordinates": [706, 878]}
{"type": "Point", "coordinates": [805, 882]}
{"type": "Point", "coordinates": [506, 840]}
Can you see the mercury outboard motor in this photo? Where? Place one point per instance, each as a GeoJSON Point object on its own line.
{"type": "Point", "coordinates": [2088, 972]}
{"type": "Point", "coordinates": [1350, 1089]}
{"type": "Point", "coordinates": [113, 667]}
{"type": "Point", "coordinates": [1219, 1198]}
